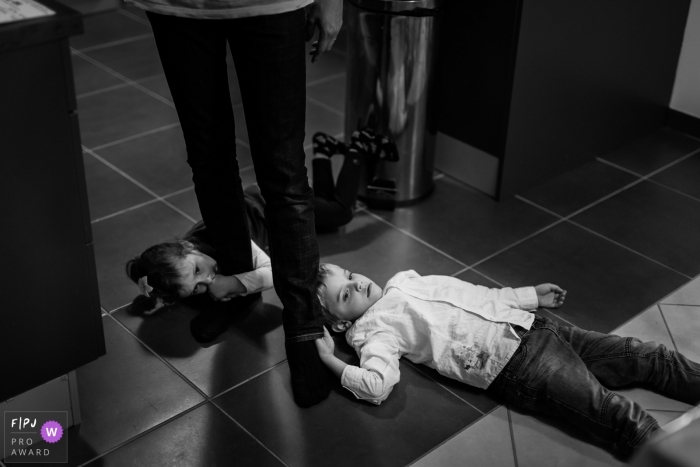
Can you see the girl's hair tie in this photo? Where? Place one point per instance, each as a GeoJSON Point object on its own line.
{"type": "Point", "coordinates": [144, 287]}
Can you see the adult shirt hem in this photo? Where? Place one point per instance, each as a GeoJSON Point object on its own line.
{"type": "Point", "coordinates": [203, 9]}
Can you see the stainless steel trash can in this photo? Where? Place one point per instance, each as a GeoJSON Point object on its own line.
{"type": "Point", "coordinates": [390, 81]}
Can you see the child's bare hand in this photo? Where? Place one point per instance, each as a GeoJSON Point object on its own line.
{"type": "Point", "coordinates": [550, 295]}
{"type": "Point", "coordinates": [325, 345]}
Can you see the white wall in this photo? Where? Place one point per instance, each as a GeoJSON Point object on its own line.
{"type": "Point", "coordinates": [686, 90]}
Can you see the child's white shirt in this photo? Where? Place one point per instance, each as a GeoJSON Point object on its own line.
{"type": "Point", "coordinates": [260, 278]}
{"type": "Point", "coordinates": [460, 329]}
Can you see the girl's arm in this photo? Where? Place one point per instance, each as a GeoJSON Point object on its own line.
{"type": "Point", "coordinates": [260, 278]}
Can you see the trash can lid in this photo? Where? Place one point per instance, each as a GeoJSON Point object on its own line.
{"type": "Point", "coordinates": [398, 6]}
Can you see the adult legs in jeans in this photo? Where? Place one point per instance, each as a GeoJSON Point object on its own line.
{"type": "Point", "coordinates": [548, 376]}
{"type": "Point", "coordinates": [268, 52]}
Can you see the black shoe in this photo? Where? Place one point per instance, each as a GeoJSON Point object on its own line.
{"type": "Point", "coordinates": [327, 145]}
{"type": "Point", "coordinates": [212, 322]}
{"type": "Point", "coordinates": [375, 146]}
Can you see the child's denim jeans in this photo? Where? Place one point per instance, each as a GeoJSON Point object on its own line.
{"type": "Point", "coordinates": [564, 371]}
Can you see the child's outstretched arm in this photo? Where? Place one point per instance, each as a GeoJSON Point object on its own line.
{"type": "Point", "coordinates": [377, 374]}
{"type": "Point", "coordinates": [550, 295]}
{"type": "Point", "coordinates": [260, 278]}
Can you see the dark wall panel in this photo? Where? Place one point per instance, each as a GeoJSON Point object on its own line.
{"type": "Point", "coordinates": [590, 77]}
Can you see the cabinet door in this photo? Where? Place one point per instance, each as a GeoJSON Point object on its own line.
{"type": "Point", "coordinates": [50, 319]}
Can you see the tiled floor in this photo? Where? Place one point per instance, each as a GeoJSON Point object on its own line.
{"type": "Point", "coordinates": [621, 234]}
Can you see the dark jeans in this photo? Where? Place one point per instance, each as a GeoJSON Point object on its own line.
{"type": "Point", "coordinates": [269, 55]}
{"type": "Point", "coordinates": [560, 371]}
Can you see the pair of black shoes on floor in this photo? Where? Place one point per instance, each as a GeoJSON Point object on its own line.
{"type": "Point", "coordinates": [366, 141]}
{"type": "Point", "coordinates": [208, 325]}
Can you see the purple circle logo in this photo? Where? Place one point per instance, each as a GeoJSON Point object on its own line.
{"type": "Point", "coordinates": [51, 431]}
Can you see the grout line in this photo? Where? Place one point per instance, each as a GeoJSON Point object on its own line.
{"type": "Point", "coordinates": [667, 328]}
{"type": "Point", "coordinates": [249, 379]}
{"type": "Point", "coordinates": [651, 174]}
{"type": "Point", "coordinates": [460, 271]}
{"type": "Point", "coordinates": [673, 190]}
{"type": "Point", "coordinates": [136, 18]}
{"type": "Point", "coordinates": [512, 437]}
{"type": "Point", "coordinates": [568, 219]}
{"type": "Point", "coordinates": [517, 242]}
{"type": "Point", "coordinates": [164, 361]}
{"type": "Point", "coordinates": [325, 79]}
{"type": "Point", "coordinates": [249, 434]}
{"type": "Point", "coordinates": [137, 206]}
{"type": "Point", "coordinates": [419, 240]}
{"type": "Point", "coordinates": [325, 106]}
{"type": "Point", "coordinates": [679, 304]}
{"type": "Point", "coordinates": [117, 42]}
{"type": "Point", "coordinates": [666, 410]}
{"type": "Point", "coordinates": [415, 366]}
{"type": "Point", "coordinates": [119, 308]}
{"type": "Point", "coordinates": [101, 90]}
{"type": "Point", "coordinates": [136, 136]}
{"type": "Point", "coordinates": [626, 247]}
{"type": "Point", "coordinates": [140, 185]}
{"type": "Point", "coordinates": [144, 433]}
{"type": "Point", "coordinates": [133, 83]}
{"type": "Point", "coordinates": [117, 86]}
{"type": "Point", "coordinates": [114, 214]}
{"type": "Point", "coordinates": [450, 438]}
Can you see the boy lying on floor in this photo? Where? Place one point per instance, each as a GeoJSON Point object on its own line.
{"type": "Point", "coordinates": [484, 338]}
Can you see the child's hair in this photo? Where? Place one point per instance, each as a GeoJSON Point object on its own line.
{"type": "Point", "coordinates": [323, 273]}
{"type": "Point", "coordinates": [159, 265]}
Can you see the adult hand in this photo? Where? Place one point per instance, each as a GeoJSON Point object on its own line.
{"type": "Point", "coordinates": [325, 345]}
{"type": "Point", "coordinates": [550, 295]}
{"type": "Point", "coordinates": [327, 16]}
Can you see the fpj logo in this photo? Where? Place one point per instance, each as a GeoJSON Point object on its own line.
{"type": "Point", "coordinates": [36, 437]}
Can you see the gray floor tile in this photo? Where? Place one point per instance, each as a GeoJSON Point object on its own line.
{"type": "Point", "coordinates": [136, 60]}
{"type": "Point", "coordinates": [114, 115]}
{"type": "Point", "coordinates": [473, 228]}
{"type": "Point", "coordinates": [108, 191]}
{"type": "Point", "coordinates": [652, 220]}
{"type": "Point", "coordinates": [158, 161]}
{"type": "Point", "coordinates": [106, 28]}
{"type": "Point", "coordinates": [127, 391]}
{"type": "Point", "coordinates": [653, 151]}
{"type": "Point", "coordinates": [543, 441]}
{"type": "Point", "coordinates": [330, 64]}
{"type": "Point", "coordinates": [575, 189]}
{"type": "Point", "coordinates": [664, 416]}
{"type": "Point", "coordinates": [689, 294]}
{"type": "Point", "coordinates": [342, 431]}
{"type": "Point", "coordinates": [88, 77]}
{"type": "Point", "coordinates": [486, 443]}
{"type": "Point", "coordinates": [683, 176]}
{"type": "Point", "coordinates": [202, 437]}
{"type": "Point", "coordinates": [253, 343]}
{"type": "Point", "coordinates": [378, 251]}
{"type": "Point", "coordinates": [684, 324]}
{"type": "Point", "coordinates": [331, 92]}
